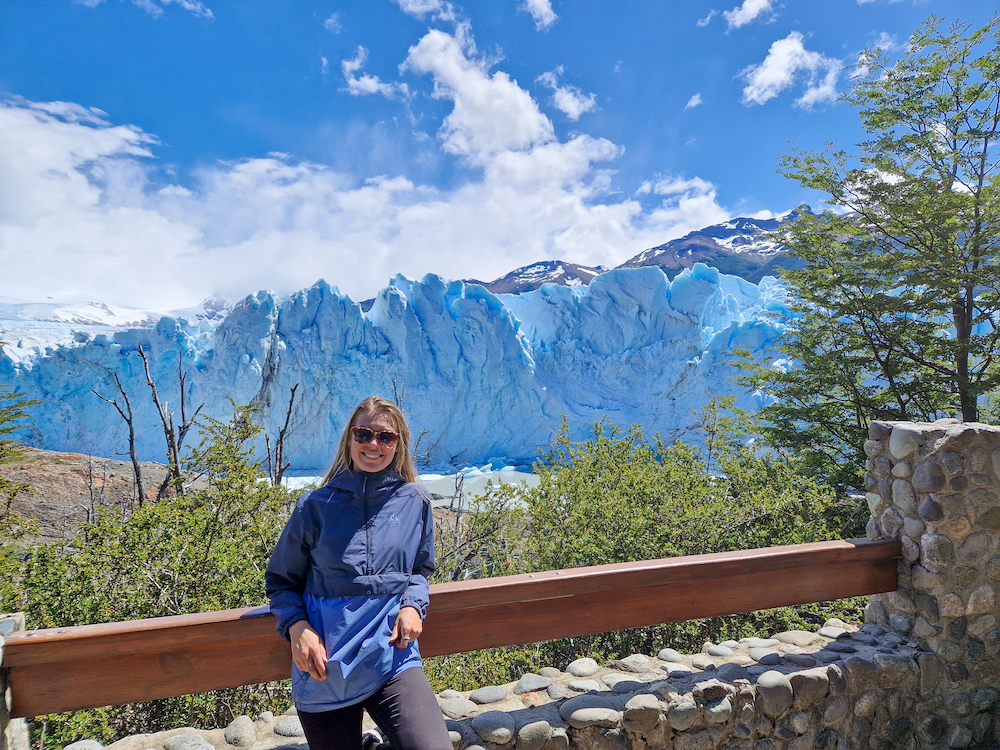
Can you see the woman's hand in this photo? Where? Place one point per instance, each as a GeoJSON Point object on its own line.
{"type": "Point", "coordinates": [408, 627]}
{"type": "Point", "coordinates": [308, 651]}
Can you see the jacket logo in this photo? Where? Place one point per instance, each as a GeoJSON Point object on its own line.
{"type": "Point", "coordinates": [393, 519]}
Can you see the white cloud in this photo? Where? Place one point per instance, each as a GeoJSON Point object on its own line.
{"type": "Point", "coordinates": [368, 84]}
{"type": "Point", "coordinates": [886, 42]}
{"type": "Point", "coordinates": [191, 6]}
{"type": "Point", "coordinates": [569, 100]}
{"type": "Point", "coordinates": [151, 8]}
{"type": "Point", "coordinates": [689, 205]}
{"type": "Point", "coordinates": [541, 11]}
{"type": "Point", "coordinates": [751, 10]}
{"type": "Point", "coordinates": [84, 214]}
{"type": "Point", "coordinates": [491, 113]}
{"type": "Point", "coordinates": [325, 66]}
{"type": "Point", "coordinates": [332, 24]}
{"type": "Point", "coordinates": [703, 22]}
{"type": "Point", "coordinates": [439, 9]}
{"type": "Point", "coordinates": [788, 61]}
{"type": "Point", "coordinates": [693, 102]}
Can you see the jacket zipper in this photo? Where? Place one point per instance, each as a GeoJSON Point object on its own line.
{"type": "Point", "coordinates": [368, 527]}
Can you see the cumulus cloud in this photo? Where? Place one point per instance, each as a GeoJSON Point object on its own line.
{"type": "Point", "coordinates": [491, 112]}
{"type": "Point", "coordinates": [787, 62]}
{"type": "Point", "coordinates": [84, 214]}
{"type": "Point", "coordinates": [569, 100]}
{"type": "Point", "coordinates": [703, 22]}
{"type": "Point", "coordinates": [541, 11]}
{"type": "Point", "coordinates": [693, 102]}
{"type": "Point", "coordinates": [332, 24]}
{"type": "Point", "coordinates": [688, 204]}
{"type": "Point", "coordinates": [367, 84]}
{"type": "Point", "coordinates": [156, 10]}
{"type": "Point", "coordinates": [751, 10]}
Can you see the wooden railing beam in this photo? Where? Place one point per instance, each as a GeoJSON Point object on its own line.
{"type": "Point", "coordinates": [63, 669]}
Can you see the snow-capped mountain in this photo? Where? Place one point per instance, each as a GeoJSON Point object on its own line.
{"type": "Point", "coordinates": [740, 247]}
{"type": "Point", "coordinates": [529, 278]}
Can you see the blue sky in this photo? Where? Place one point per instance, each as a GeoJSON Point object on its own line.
{"type": "Point", "coordinates": [156, 152]}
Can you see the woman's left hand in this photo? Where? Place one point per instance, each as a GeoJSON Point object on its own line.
{"type": "Point", "coordinates": [408, 627]}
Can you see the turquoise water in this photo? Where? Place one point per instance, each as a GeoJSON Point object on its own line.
{"type": "Point", "coordinates": [443, 486]}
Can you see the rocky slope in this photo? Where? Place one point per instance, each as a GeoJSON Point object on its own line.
{"type": "Point", "coordinates": [67, 489]}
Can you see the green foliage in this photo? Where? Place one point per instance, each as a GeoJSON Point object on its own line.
{"type": "Point", "coordinates": [619, 497]}
{"type": "Point", "coordinates": [482, 541]}
{"type": "Point", "coordinates": [201, 551]}
{"type": "Point", "coordinates": [13, 525]}
{"type": "Point", "coordinates": [12, 411]}
{"type": "Point", "coordinates": [897, 304]}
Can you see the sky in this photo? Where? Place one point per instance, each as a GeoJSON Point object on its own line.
{"type": "Point", "coordinates": [154, 153]}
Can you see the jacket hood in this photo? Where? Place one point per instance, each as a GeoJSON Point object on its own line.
{"type": "Point", "coordinates": [366, 484]}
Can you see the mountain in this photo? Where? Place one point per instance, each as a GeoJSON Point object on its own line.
{"type": "Point", "coordinates": [530, 278]}
{"type": "Point", "coordinates": [487, 378]}
{"type": "Point", "coordinates": [739, 247]}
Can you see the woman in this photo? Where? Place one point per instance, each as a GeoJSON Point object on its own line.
{"type": "Point", "coordinates": [348, 584]}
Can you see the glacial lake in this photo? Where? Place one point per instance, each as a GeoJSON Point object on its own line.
{"type": "Point", "coordinates": [442, 486]}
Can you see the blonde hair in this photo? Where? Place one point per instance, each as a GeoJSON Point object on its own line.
{"type": "Point", "coordinates": [402, 462]}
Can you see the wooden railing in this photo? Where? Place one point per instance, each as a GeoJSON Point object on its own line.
{"type": "Point", "coordinates": [63, 669]}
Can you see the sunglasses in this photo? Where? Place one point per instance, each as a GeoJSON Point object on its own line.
{"type": "Point", "coordinates": [364, 435]}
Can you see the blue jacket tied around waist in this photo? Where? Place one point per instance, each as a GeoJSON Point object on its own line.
{"type": "Point", "coordinates": [351, 555]}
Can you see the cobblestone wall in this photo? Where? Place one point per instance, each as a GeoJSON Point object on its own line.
{"type": "Point", "coordinates": [935, 486]}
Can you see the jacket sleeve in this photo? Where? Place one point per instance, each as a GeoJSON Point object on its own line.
{"type": "Point", "coordinates": [417, 594]}
{"type": "Point", "coordinates": [285, 578]}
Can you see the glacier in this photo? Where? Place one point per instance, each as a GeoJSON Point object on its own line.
{"type": "Point", "coordinates": [484, 378]}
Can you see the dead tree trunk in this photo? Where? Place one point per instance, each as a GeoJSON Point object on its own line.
{"type": "Point", "coordinates": [126, 413]}
{"type": "Point", "coordinates": [276, 469]}
{"type": "Point", "coordinates": [173, 435]}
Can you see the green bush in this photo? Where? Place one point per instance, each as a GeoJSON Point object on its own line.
{"type": "Point", "coordinates": [201, 551]}
{"type": "Point", "coordinates": [619, 497]}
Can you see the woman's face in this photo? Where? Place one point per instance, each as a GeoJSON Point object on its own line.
{"type": "Point", "coordinates": [373, 456]}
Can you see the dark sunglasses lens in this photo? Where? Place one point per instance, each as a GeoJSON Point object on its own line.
{"type": "Point", "coordinates": [364, 436]}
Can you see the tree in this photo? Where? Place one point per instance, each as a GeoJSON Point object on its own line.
{"type": "Point", "coordinates": [276, 463]}
{"type": "Point", "coordinates": [174, 435]}
{"type": "Point", "coordinates": [12, 406]}
{"type": "Point", "coordinates": [896, 311]}
{"type": "Point", "coordinates": [125, 410]}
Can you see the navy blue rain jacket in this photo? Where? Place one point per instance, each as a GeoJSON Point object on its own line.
{"type": "Point", "coordinates": [361, 534]}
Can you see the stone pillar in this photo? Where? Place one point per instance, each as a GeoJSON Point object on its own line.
{"type": "Point", "coordinates": [936, 487]}
{"type": "Point", "coordinates": [13, 732]}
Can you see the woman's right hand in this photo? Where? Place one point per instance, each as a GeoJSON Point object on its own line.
{"type": "Point", "coordinates": [308, 651]}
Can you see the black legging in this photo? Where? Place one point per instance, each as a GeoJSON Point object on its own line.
{"type": "Point", "coordinates": [404, 709]}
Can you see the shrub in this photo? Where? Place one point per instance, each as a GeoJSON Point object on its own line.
{"type": "Point", "coordinates": [201, 551]}
{"type": "Point", "coordinates": [620, 497]}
